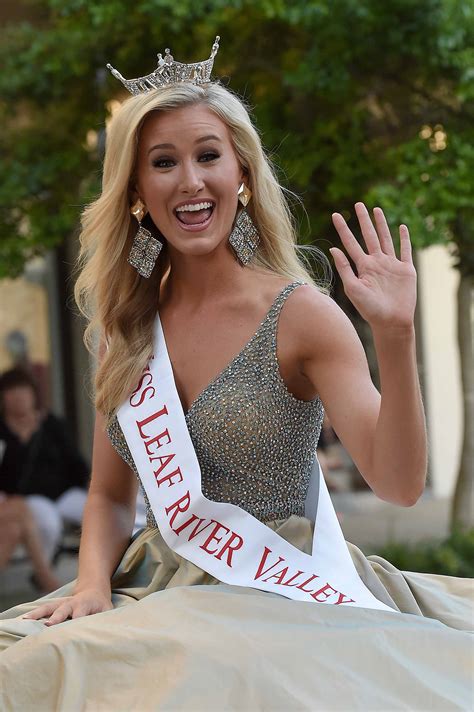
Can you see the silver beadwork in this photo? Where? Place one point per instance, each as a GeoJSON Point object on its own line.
{"type": "Point", "coordinates": [170, 72]}
{"type": "Point", "coordinates": [244, 238]}
{"type": "Point", "coordinates": [144, 252]}
{"type": "Point", "coordinates": [254, 440]}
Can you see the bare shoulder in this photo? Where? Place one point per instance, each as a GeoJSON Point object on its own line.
{"type": "Point", "coordinates": [317, 324]}
{"type": "Point", "coordinates": [263, 287]}
{"type": "Point", "coordinates": [267, 285]}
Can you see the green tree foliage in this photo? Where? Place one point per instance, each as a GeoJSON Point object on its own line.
{"type": "Point", "coordinates": [452, 557]}
{"type": "Point", "coordinates": [341, 90]}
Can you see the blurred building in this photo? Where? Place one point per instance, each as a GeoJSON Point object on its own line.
{"type": "Point", "coordinates": [437, 294]}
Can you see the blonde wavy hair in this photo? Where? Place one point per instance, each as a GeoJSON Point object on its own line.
{"type": "Point", "coordinates": [119, 304]}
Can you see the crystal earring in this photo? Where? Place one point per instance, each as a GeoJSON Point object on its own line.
{"type": "Point", "coordinates": [145, 248]}
{"type": "Point", "coordinates": [244, 237]}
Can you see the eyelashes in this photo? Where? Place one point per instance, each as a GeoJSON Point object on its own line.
{"type": "Point", "coordinates": [209, 156]}
{"type": "Point", "coordinates": [164, 162]}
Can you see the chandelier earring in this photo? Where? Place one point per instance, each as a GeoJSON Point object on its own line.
{"type": "Point", "coordinates": [145, 248]}
{"type": "Point", "coordinates": [244, 237]}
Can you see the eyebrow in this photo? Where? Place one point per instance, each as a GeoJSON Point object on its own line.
{"type": "Point", "coordinates": [210, 137]}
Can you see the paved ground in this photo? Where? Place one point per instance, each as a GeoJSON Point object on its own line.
{"type": "Point", "coordinates": [365, 520]}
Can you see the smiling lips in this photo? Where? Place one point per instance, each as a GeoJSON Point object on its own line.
{"type": "Point", "coordinates": [195, 216]}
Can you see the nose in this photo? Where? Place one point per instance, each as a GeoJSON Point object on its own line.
{"type": "Point", "coordinates": [191, 178]}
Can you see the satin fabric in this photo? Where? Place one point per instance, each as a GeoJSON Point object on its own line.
{"type": "Point", "coordinates": [179, 640]}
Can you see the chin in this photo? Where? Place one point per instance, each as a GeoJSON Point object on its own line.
{"type": "Point", "coordinates": [196, 245]}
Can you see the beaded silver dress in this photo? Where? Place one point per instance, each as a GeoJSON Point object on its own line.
{"type": "Point", "coordinates": [254, 440]}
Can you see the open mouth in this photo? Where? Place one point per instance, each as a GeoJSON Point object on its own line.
{"type": "Point", "coordinates": [195, 215]}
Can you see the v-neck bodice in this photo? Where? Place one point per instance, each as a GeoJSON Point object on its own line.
{"type": "Point", "coordinates": [254, 440]}
{"type": "Point", "coordinates": [275, 308]}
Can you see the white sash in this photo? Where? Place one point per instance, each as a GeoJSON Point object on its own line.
{"type": "Point", "coordinates": [221, 538]}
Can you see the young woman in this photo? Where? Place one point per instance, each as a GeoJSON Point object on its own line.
{"type": "Point", "coordinates": [256, 350]}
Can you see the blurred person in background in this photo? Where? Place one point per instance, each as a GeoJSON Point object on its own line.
{"type": "Point", "coordinates": [328, 458]}
{"type": "Point", "coordinates": [41, 472]}
{"type": "Point", "coordinates": [18, 349]}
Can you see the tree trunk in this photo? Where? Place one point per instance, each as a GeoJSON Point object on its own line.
{"type": "Point", "coordinates": [462, 513]}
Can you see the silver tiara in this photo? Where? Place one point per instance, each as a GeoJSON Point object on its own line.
{"type": "Point", "coordinates": [170, 72]}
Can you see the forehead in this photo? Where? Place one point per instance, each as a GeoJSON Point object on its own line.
{"type": "Point", "coordinates": [182, 125]}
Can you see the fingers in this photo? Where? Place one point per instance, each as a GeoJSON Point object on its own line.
{"type": "Point", "coordinates": [60, 610]}
{"type": "Point", "coordinates": [384, 232]}
{"type": "Point", "coordinates": [368, 231]}
{"type": "Point", "coordinates": [55, 612]}
{"type": "Point", "coordinates": [377, 240]}
{"type": "Point", "coordinates": [405, 244]}
{"type": "Point", "coordinates": [43, 611]}
{"type": "Point", "coordinates": [60, 614]}
{"type": "Point", "coordinates": [347, 238]}
{"type": "Point", "coordinates": [344, 268]}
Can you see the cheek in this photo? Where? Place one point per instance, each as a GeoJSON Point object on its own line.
{"type": "Point", "coordinates": [153, 189]}
{"type": "Point", "coordinates": [227, 186]}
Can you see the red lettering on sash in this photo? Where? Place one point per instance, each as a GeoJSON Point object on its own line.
{"type": "Point", "coordinates": [260, 571]}
{"type": "Point", "coordinates": [196, 529]}
{"type": "Point", "coordinates": [142, 395]}
{"type": "Point", "coordinates": [279, 576]}
{"type": "Point", "coordinates": [288, 583]}
{"type": "Point", "coordinates": [182, 505]}
{"type": "Point", "coordinates": [169, 478]}
{"type": "Point", "coordinates": [164, 462]}
{"type": "Point", "coordinates": [142, 423]}
{"type": "Point", "coordinates": [213, 535]}
{"type": "Point", "coordinates": [301, 585]}
{"type": "Point", "coordinates": [322, 591]}
{"type": "Point", "coordinates": [157, 439]}
{"type": "Point", "coordinates": [341, 596]}
{"type": "Point", "coordinates": [230, 549]}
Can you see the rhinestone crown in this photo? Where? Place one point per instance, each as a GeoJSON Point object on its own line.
{"type": "Point", "coordinates": [170, 72]}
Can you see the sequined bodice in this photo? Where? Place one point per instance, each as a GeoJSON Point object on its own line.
{"type": "Point", "coordinates": [254, 440]}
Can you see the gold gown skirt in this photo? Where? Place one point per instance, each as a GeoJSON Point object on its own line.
{"type": "Point", "coordinates": [177, 639]}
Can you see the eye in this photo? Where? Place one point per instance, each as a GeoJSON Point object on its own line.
{"type": "Point", "coordinates": [162, 162]}
{"type": "Point", "coordinates": [208, 156]}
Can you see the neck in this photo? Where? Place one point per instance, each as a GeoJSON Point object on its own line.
{"type": "Point", "coordinates": [196, 280]}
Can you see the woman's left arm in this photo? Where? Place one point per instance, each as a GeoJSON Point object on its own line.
{"type": "Point", "coordinates": [385, 433]}
{"type": "Point", "coordinates": [384, 293]}
{"type": "Point", "coordinates": [400, 442]}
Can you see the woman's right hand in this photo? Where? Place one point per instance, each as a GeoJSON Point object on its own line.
{"type": "Point", "coordinates": [83, 603]}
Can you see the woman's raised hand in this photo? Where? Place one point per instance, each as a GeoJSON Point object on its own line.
{"type": "Point", "coordinates": [384, 289]}
{"type": "Point", "coordinates": [83, 603]}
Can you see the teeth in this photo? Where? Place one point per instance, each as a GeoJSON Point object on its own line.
{"type": "Point", "coordinates": [191, 208]}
